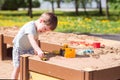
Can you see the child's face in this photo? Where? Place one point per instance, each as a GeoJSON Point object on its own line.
{"type": "Point", "coordinates": [43, 27]}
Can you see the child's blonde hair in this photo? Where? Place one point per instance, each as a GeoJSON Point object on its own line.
{"type": "Point", "coordinates": [50, 19]}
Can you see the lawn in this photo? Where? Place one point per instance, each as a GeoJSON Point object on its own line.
{"type": "Point", "coordinates": [68, 21]}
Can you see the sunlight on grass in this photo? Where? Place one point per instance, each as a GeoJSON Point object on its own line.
{"type": "Point", "coordinates": [67, 23]}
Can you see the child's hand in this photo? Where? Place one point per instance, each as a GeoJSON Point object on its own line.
{"type": "Point", "coordinates": [41, 55]}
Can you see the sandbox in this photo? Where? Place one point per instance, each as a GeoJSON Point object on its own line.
{"type": "Point", "coordinates": [104, 67]}
{"type": "Point", "coordinates": [79, 68]}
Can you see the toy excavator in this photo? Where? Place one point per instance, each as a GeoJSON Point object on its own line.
{"type": "Point", "coordinates": [67, 51]}
{"type": "Point", "coordinates": [64, 51]}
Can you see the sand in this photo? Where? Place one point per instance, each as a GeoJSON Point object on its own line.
{"type": "Point", "coordinates": [5, 69]}
{"type": "Point", "coordinates": [111, 48]}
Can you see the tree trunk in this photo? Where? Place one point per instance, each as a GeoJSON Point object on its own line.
{"type": "Point", "coordinates": [58, 3]}
{"type": "Point", "coordinates": [52, 2]}
{"type": "Point", "coordinates": [76, 7]}
{"type": "Point", "coordinates": [30, 9]}
{"type": "Point", "coordinates": [84, 6]}
{"type": "Point", "coordinates": [100, 7]}
{"type": "Point", "coordinates": [107, 10]}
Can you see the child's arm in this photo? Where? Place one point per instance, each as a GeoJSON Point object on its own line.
{"type": "Point", "coordinates": [35, 45]}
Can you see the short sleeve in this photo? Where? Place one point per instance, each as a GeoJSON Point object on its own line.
{"type": "Point", "coordinates": [30, 29]}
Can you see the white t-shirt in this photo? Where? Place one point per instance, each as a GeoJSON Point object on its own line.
{"type": "Point", "coordinates": [21, 40]}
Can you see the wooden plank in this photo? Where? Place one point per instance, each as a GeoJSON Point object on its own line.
{"type": "Point", "coordinates": [55, 70]}
{"type": "Point", "coordinates": [4, 40]}
{"type": "Point", "coordinates": [1, 46]}
{"type": "Point", "coordinates": [49, 47]}
{"type": "Point", "coordinates": [107, 74]}
{"type": "Point", "coordinates": [44, 46]}
{"type": "Point", "coordinates": [38, 76]}
{"type": "Point", "coordinates": [8, 39]}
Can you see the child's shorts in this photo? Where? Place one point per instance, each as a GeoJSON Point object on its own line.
{"type": "Point", "coordinates": [16, 54]}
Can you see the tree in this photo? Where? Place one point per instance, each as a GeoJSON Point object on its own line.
{"type": "Point", "coordinates": [76, 6]}
{"type": "Point", "coordinates": [58, 3]}
{"type": "Point", "coordinates": [76, 3]}
{"type": "Point", "coordinates": [107, 10]}
{"type": "Point", "coordinates": [52, 4]}
{"type": "Point", "coordinates": [30, 4]}
{"type": "Point", "coordinates": [30, 9]}
{"type": "Point", "coordinates": [1, 3]}
{"type": "Point", "coordinates": [11, 4]}
{"type": "Point", "coordinates": [84, 5]}
{"type": "Point", "coordinates": [114, 4]}
{"type": "Point", "coordinates": [99, 6]}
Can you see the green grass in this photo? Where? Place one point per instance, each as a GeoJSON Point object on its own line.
{"type": "Point", "coordinates": [93, 22]}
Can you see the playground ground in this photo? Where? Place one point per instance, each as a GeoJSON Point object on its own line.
{"type": "Point", "coordinates": [6, 69]}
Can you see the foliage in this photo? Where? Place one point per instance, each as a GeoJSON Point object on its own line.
{"type": "Point", "coordinates": [36, 3]}
{"type": "Point", "coordinates": [15, 4]}
{"type": "Point", "coordinates": [114, 4]}
{"type": "Point", "coordinates": [88, 25]}
{"type": "Point", "coordinates": [10, 5]}
{"type": "Point", "coordinates": [1, 2]}
{"type": "Point", "coordinates": [68, 22]}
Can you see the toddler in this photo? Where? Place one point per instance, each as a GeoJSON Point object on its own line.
{"type": "Point", "coordinates": [25, 42]}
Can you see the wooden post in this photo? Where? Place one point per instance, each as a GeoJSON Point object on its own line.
{"type": "Point", "coordinates": [88, 75]}
{"type": "Point", "coordinates": [24, 65]}
{"type": "Point", "coordinates": [4, 50]}
{"type": "Point", "coordinates": [1, 47]}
